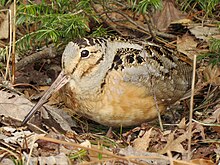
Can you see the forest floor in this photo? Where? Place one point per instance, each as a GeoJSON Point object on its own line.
{"type": "Point", "coordinates": [56, 135]}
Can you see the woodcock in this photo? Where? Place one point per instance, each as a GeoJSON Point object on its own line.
{"type": "Point", "coordinates": [119, 82]}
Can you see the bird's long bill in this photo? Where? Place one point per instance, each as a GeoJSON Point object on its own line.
{"type": "Point", "coordinates": [61, 80]}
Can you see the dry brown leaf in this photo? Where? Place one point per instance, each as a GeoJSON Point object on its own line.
{"type": "Point", "coordinates": [215, 117]}
{"type": "Point", "coordinates": [203, 32]}
{"type": "Point", "coordinates": [55, 99]}
{"type": "Point", "coordinates": [169, 13]}
{"type": "Point", "coordinates": [142, 143]}
{"type": "Point", "coordinates": [182, 124]}
{"type": "Point", "coordinates": [174, 144]}
{"type": "Point", "coordinates": [4, 28]}
{"type": "Point", "coordinates": [216, 36]}
{"type": "Point", "coordinates": [130, 151]}
{"type": "Point", "coordinates": [212, 74]}
{"type": "Point", "coordinates": [16, 107]}
{"type": "Point", "coordinates": [17, 137]}
{"type": "Point", "coordinates": [198, 128]}
{"type": "Point", "coordinates": [6, 161]}
{"type": "Point", "coordinates": [51, 160]}
{"type": "Point", "coordinates": [216, 113]}
{"type": "Point", "coordinates": [63, 119]}
{"type": "Point", "coordinates": [86, 143]}
{"type": "Point", "coordinates": [187, 45]}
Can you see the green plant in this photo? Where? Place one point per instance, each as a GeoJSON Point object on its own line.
{"type": "Point", "coordinates": [4, 3]}
{"type": "Point", "coordinates": [58, 21]}
{"type": "Point", "coordinates": [214, 52]}
{"type": "Point", "coordinates": [142, 6]}
{"type": "Point", "coordinates": [207, 6]}
{"type": "Point", "coordinates": [17, 161]}
{"type": "Point", "coordinates": [78, 155]}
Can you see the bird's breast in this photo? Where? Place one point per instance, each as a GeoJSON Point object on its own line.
{"type": "Point", "coordinates": [119, 103]}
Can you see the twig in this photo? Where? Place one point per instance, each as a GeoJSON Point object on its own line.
{"type": "Point", "coordinates": [169, 154]}
{"type": "Point", "coordinates": [206, 124]}
{"type": "Point", "coordinates": [10, 152]}
{"type": "Point", "coordinates": [165, 35]}
{"type": "Point", "coordinates": [48, 52]}
{"type": "Point", "coordinates": [133, 22]}
{"type": "Point", "coordinates": [92, 3]}
{"type": "Point", "coordinates": [139, 27]}
{"type": "Point", "coordinates": [207, 105]}
{"type": "Point", "coordinates": [31, 149]}
{"type": "Point", "coordinates": [157, 107]}
{"type": "Point", "coordinates": [10, 45]}
{"type": "Point", "coordinates": [99, 161]}
{"type": "Point", "coordinates": [110, 10]}
{"type": "Point", "coordinates": [87, 148]}
{"type": "Point", "coordinates": [26, 84]}
{"type": "Point", "coordinates": [149, 27]}
{"type": "Point", "coordinates": [125, 158]}
{"type": "Point", "coordinates": [107, 153]}
{"type": "Point", "coordinates": [13, 44]}
{"type": "Point", "coordinates": [158, 112]}
{"type": "Point", "coordinates": [8, 87]}
{"type": "Point", "coordinates": [191, 108]}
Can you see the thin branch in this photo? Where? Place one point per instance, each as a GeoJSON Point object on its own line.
{"type": "Point", "coordinates": [10, 45]}
{"type": "Point", "coordinates": [191, 108]}
{"type": "Point", "coordinates": [157, 107]}
{"type": "Point", "coordinates": [48, 52]}
{"type": "Point", "coordinates": [132, 159]}
{"type": "Point", "coordinates": [80, 146]}
{"type": "Point", "coordinates": [149, 27]}
{"type": "Point", "coordinates": [13, 44]}
{"type": "Point", "coordinates": [140, 28]}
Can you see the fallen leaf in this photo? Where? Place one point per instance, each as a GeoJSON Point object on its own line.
{"type": "Point", "coordinates": [203, 32]}
{"type": "Point", "coordinates": [216, 113]}
{"type": "Point", "coordinates": [174, 144]}
{"type": "Point", "coordinates": [22, 138]}
{"type": "Point", "coordinates": [51, 160]}
{"type": "Point", "coordinates": [215, 117]}
{"type": "Point", "coordinates": [150, 156]}
{"type": "Point", "coordinates": [168, 14]}
{"type": "Point", "coordinates": [212, 74]}
{"type": "Point", "coordinates": [4, 28]}
{"type": "Point", "coordinates": [142, 143]}
{"type": "Point", "coordinates": [16, 107]}
{"type": "Point", "coordinates": [182, 123]}
{"type": "Point", "coordinates": [204, 152]}
{"type": "Point", "coordinates": [199, 129]}
{"type": "Point", "coordinates": [86, 143]}
{"type": "Point", "coordinates": [7, 161]}
{"type": "Point", "coordinates": [187, 45]}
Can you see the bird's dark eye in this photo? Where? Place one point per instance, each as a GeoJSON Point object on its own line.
{"type": "Point", "coordinates": [85, 53]}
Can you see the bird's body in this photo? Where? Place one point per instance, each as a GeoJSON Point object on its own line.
{"type": "Point", "coordinates": [120, 82]}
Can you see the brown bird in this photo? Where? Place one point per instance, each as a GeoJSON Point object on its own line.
{"type": "Point", "coordinates": [114, 81]}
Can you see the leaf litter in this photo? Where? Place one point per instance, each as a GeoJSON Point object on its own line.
{"type": "Point", "coordinates": [54, 137]}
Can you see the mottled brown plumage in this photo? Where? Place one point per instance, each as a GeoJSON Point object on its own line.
{"type": "Point", "coordinates": [113, 81]}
